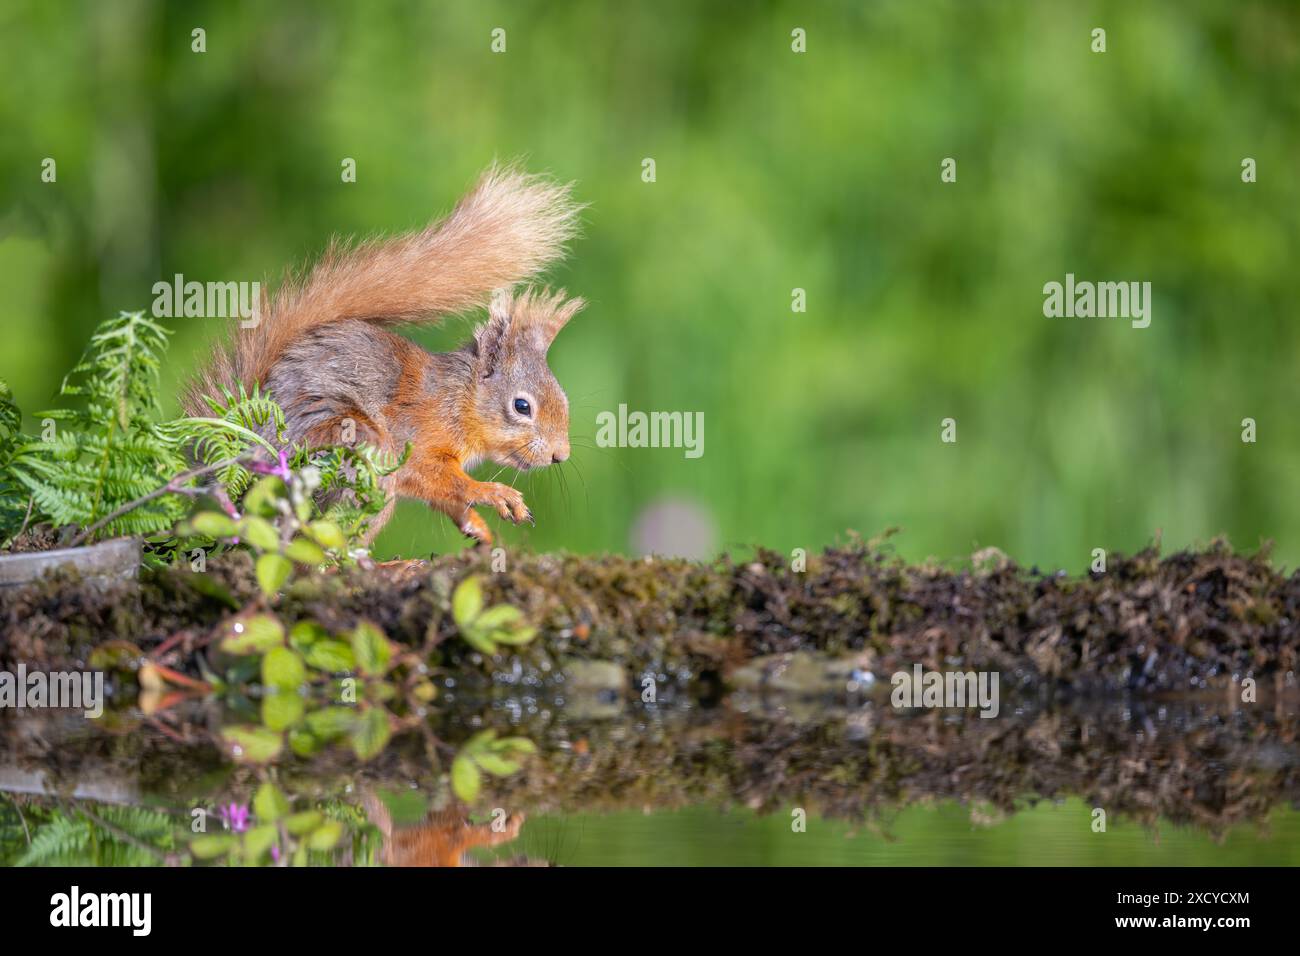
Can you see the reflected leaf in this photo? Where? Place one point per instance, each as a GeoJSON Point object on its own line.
{"type": "Point", "coordinates": [283, 669]}
{"type": "Point", "coordinates": [304, 743]}
{"type": "Point", "coordinates": [496, 765]}
{"type": "Point", "coordinates": [304, 822]}
{"type": "Point", "coordinates": [371, 733]}
{"type": "Point", "coordinates": [270, 803]}
{"type": "Point", "coordinates": [326, 835]}
{"type": "Point", "coordinates": [253, 634]}
{"type": "Point", "coordinates": [465, 779]}
{"type": "Point", "coordinates": [371, 649]}
{"type": "Point", "coordinates": [249, 744]}
{"type": "Point", "coordinates": [114, 655]}
{"type": "Point", "coordinates": [330, 655]}
{"type": "Point", "coordinates": [306, 633]}
{"type": "Point", "coordinates": [257, 841]}
{"type": "Point", "coordinates": [330, 723]}
{"type": "Point", "coordinates": [213, 846]}
{"type": "Point", "coordinates": [282, 710]}
{"type": "Point", "coordinates": [210, 587]}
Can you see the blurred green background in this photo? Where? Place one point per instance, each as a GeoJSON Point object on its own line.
{"type": "Point", "coordinates": [775, 170]}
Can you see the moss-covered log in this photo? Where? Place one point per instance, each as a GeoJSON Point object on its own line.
{"type": "Point", "coordinates": [1185, 622]}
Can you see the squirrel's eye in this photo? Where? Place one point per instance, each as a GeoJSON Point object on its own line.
{"type": "Point", "coordinates": [522, 406]}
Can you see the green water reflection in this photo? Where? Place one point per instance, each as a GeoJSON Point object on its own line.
{"type": "Point", "coordinates": [1049, 834]}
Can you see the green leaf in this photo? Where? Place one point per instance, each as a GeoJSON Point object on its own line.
{"type": "Point", "coordinates": [249, 744]}
{"type": "Point", "coordinates": [478, 743]}
{"type": "Point", "coordinates": [304, 743]}
{"type": "Point", "coordinates": [210, 587]}
{"type": "Point", "coordinates": [371, 733]}
{"type": "Point", "coordinates": [515, 638]}
{"type": "Point", "coordinates": [255, 634]}
{"type": "Point", "coordinates": [212, 846]}
{"type": "Point", "coordinates": [260, 533]}
{"type": "Point", "coordinates": [114, 655]}
{"type": "Point", "coordinates": [328, 535]}
{"type": "Point", "coordinates": [304, 822]}
{"type": "Point", "coordinates": [304, 552]}
{"type": "Point", "coordinates": [329, 723]}
{"type": "Point", "coordinates": [480, 642]}
{"type": "Point", "coordinates": [272, 571]}
{"type": "Point", "coordinates": [326, 835]}
{"type": "Point", "coordinates": [283, 669]}
{"type": "Point", "coordinates": [465, 779]}
{"type": "Point", "coordinates": [282, 710]}
{"type": "Point", "coordinates": [467, 601]}
{"type": "Point", "coordinates": [371, 648]}
{"type": "Point", "coordinates": [305, 633]}
{"type": "Point", "coordinates": [214, 524]}
{"type": "Point", "coordinates": [497, 766]}
{"type": "Point", "coordinates": [330, 655]}
{"type": "Point", "coordinates": [513, 745]}
{"type": "Point", "coordinates": [270, 803]}
{"type": "Point", "coordinates": [260, 499]}
{"type": "Point", "coordinates": [501, 616]}
{"type": "Point", "coordinates": [257, 841]}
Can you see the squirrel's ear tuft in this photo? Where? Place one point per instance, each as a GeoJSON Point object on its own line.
{"type": "Point", "coordinates": [490, 337]}
{"type": "Point", "coordinates": [552, 320]}
{"type": "Point", "coordinates": [530, 320]}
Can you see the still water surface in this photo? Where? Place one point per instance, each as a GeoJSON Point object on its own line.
{"type": "Point", "coordinates": [741, 781]}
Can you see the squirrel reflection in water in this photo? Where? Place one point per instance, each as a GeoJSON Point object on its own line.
{"type": "Point", "coordinates": [443, 838]}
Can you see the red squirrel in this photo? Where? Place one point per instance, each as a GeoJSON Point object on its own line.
{"type": "Point", "coordinates": [443, 838]}
{"type": "Point", "coordinates": [324, 352]}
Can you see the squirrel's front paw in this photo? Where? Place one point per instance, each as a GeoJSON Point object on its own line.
{"type": "Point", "coordinates": [508, 502]}
{"type": "Point", "coordinates": [475, 528]}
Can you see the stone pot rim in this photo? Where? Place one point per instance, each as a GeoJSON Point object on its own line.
{"type": "Point", "coordinates": [114, 558]}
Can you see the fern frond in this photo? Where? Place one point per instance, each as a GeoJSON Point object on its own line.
{"type": "Point", "coordinates": [110, 450]}
{"type": "Point", "coordinates": [14, 498]}
{"type": "Point", "coordinates": [57, 843]}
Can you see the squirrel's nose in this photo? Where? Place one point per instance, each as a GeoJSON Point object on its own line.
{"type": "Point", "coordinates": [560, 454]}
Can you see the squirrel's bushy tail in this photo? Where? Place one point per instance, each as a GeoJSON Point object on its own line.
{"type": "Point", "coordinates": [510, 227]}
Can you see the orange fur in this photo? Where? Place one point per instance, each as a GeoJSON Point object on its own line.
{"type": "Point", "coordinates": [443, 839]}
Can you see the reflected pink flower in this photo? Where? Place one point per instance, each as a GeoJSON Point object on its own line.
{"type": "Point", "coordinates": [235, 816]}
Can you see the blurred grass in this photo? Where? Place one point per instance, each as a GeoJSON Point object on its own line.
{"type": "Point", "coordinates": [943, 834]}
{"type": "Point", "coordinates": [775, 171]}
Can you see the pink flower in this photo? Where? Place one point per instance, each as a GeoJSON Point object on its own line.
{"type": "Point", "coordinates": [282, 469]}
{"type": "Point", "coordinates": [235, 816]}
